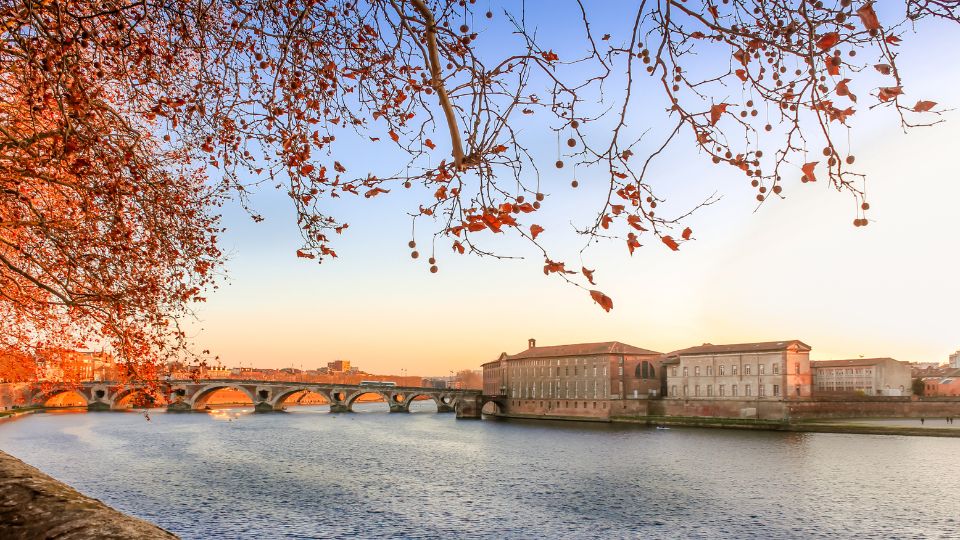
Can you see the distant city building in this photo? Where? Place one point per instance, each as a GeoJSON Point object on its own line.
{"type": "Point", "coordinates": [59, 365]}
{"type": "Point", "coordinates": [772, 371]}
{"type": "Point", "coordinates": [955, 360]}
{"type": "Point", "coordinates": [338, 366]}
{"type": "Point", "coordinates": [864, 376]}
{"type": "Point", "coordinates": [947, 385]}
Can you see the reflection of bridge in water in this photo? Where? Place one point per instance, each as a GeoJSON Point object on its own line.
{"type": "Point", "coordinates": [268, 396]}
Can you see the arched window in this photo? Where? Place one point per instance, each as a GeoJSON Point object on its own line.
{"type": "Point", "coordinates": [645, 370]}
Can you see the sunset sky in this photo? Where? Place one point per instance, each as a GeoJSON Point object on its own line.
{"type": "Point", "coordinates": [791, 269]}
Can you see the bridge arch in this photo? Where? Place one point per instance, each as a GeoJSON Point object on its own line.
{"type": "Point", "coordinates": [42, 398]}
{"type": "Point", "coordinates": [280, 397]}
{"type": "Point", "coordinates": [116, 401]}
{"type": "Point", "coordinates": [412, 396]}
{"type": "Point", "coordinates": [352, 398]}
{"type": "Point", "coordinates": [199, 399]}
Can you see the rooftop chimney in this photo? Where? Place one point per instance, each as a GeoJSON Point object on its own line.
{"type": "Point", "coordinates": [531, 343]}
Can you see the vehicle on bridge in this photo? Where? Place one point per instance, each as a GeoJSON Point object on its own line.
{"type": "Point", "coordinates": [377, 383]}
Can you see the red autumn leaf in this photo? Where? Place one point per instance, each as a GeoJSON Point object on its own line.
{"type": "Point", "coordinates": [632, 242]}
{"type": "Point", "coordinates": [535, 230]}
{"type": "Point", "coordinates": [742, 73]}
{"type": "Point", "coordinates": [605, 221]}
{"type": "Point", "coordinates": [374, 192]}
{"type": "Point", "coordinates": [716, 112]}
{"type": "Point", "coordinates": [686, 233]}
{"type": "Point", "coordinates": [394, 136]}
{"type": "Point", "coordinates": [808, 171]}
{"type": "Point", "coordinates": [869, 17]}
{"type": "Point", "coordinates": [889, 92]}
{"type": "Point", "coordinates": [605, 37]}
{"type": "Point", "coordinates": [843, 90]}
{"type": "Point", "coordinates": [306, 169]}
{"type": "Point", "coordinates": [605, 302]}
{"type": "Point", "coordinates": [670, 242]}
{"type": "Point", "coordinates": [550, 56]}
{"type": "Point", "coordinates": [458, 247]}
{"type": "Point", "coordinates": [892, 40]}
{"type": "Point", "coordinates": [588, 274]}
{"type": "Point", "coordinates": [498, 149]}
{"type": "Point", "coordinates": [634, 221]}
{"type": "Point", "coordinates": [827, 41]}
{"type": "Point", "coordinates": [338, 167]}
{"type": "Point", "coordinates": [429, 144]}
{"type": "Point", "coordinates": [883, 68]}
{"type": "Point", "coordinates": [924, 106]}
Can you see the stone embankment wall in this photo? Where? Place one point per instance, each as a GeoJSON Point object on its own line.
{"type": "Point", "coordinates": [875, 408]}
{"type": "Point", "coordinates": [34, 506]}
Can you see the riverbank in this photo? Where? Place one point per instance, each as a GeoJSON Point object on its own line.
{"type": "Point", "coordinates": [34, 505]}
{"type": "Point", "coordinates": [933, 427]}
{"type": "Point", "coordinates": [863, 426]}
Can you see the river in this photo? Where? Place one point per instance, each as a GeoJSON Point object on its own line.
{"type": "Point", "coordinates": [310, 474]}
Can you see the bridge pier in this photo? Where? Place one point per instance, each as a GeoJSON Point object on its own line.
{"type": "Point", "coordinates": [444, 408]}
{"type": "Point", "coordinates": [339, 408]}
{"type": "Point", "coordinates": [179, 406]}
{"type": "Point", "coordinates": [98, 406]}
{"type": "Point", "coordinates": [470, 408]}
{"type": "Point", "coordinates": [264, 407]}
{"type": "Point", "coordinates": [399, 408]}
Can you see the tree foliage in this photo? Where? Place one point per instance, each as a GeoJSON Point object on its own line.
{"type": "Point", "coordinates": [124, 124]}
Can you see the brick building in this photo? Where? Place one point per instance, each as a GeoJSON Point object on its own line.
{"type": "Point", "coordinates": [862, 376]}
{"type": "Point", "coordinates": [947, 385]}
{"type": "Point", "coordinates": [770, 371]}
{"type": "Point", "coordinates": [573, 380]}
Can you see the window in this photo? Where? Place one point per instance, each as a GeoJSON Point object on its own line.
{"type": "Point", "coordinates": [709, 370]}
{"type": "Point", "coordinates": [720, 370]}
{"type": "Point", "coordinates": [685, 371]}
{"type": "Point", "coordinates": [776, 369]}
{"type": "Point", "coordinates": [674, 372]}
{"type": "Point", "coordinates": [733, 390]}
{"type": "Point", "coordinates": [796, 368]}
{"type": "Point", "coordinates": [686, 390]}
{"type": "Point", "coordinates": [696, 371]}
{"type": "Point", "coordinates": [673, 390]}
{"type": "Point", "coordinates": [746, 389]}
{"type": "Point", "coordinates": [760, 368]}
{"type": "Point", "coordinates": [746, 370]}
{"type": "Point", "coordinates": [696, 390]}
{"type": "Point", "coordinates": [776, 389]}
{"type": "Point", "coordinates": [645, 370]}
{"type": "Point", "coordinates": [733, 369]}
{"type": "Point", "coordinates": [709, 390]}
{"type": "Point", "coordinates": [722, 390]}
{"type": "Point", "coordinates": [761, 390]}
{"type": "Point", "coordinates": [620, 370]}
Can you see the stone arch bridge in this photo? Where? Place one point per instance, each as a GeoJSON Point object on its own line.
{"type": "Point", "coordinates": [268, 396]}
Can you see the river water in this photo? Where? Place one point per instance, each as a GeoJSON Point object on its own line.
{"type": "Point", "coordinates": [310, 474]}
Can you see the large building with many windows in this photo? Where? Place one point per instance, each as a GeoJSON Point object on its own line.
{"type": "Point", "coordinates": [769, 371]}
{"type": "Point", "coordinates": [572, 380]}
{"type": "Point", "coordinates": [862, 376]}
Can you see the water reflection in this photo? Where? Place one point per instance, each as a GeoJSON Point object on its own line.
{"type": "Point", "coordinates": [311, 474]}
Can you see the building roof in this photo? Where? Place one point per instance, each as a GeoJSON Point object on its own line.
{"type": "Point", "coordinates": [852, 362]}
{"type": "Point", "coordinates": [580, 349]}
{"type": "Point", "coordinates": [765, 346]}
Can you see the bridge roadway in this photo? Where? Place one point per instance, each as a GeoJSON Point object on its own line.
{"type": "Point", "coordinates": [266, 396]}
